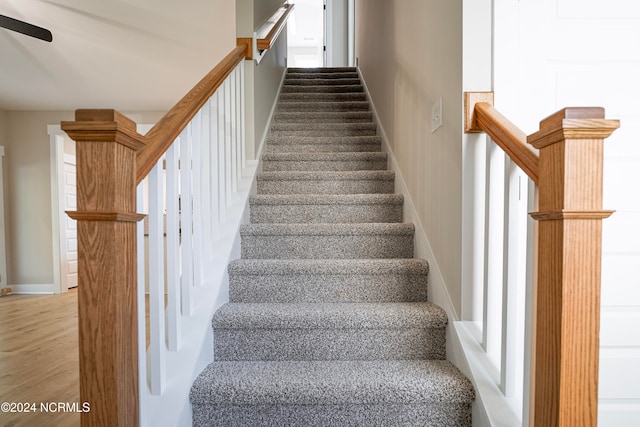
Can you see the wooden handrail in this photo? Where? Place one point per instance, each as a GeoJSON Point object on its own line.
{"type": "Point", "coordinates": [169, 127]}
{"type": "Point", "coordinates": [269, 32]}
{"type": "Point", "coordinates": [482, 117]}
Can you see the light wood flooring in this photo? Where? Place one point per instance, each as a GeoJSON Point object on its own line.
{"type": "Point", "coordinates": [39, 356]}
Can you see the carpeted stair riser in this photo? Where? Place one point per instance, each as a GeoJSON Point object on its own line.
{"type": "Point", "coordinates": [323, 97]}
{"type": "Point", "coordinates": [356, 208]}
{"type": "Point", "coordinates": [324, 117]}
{"type": "Point", "coordinates": [323, 162]}
{"type": "Point", "coordinates": [308, 89]}
{"type": "Point", "coordinates": [326, 241]}
{"type": "Point", "coordinates": [311, 144]}
{"type": "Point", "coordinates": [337, 393]}
{"type": "Point", "coordinates": [320, 82]}
{"type": "Point", "coordinates": [311, 71]}
{"type": "Point", "coordinates": [322, 281]}
{"type": "Point", "coordinates": [323, 129]}
{"type": "Point", "coordinates": [406, 331]}
{"type": "Point", "coordinates": [301, 107]}
{"type": "Point", "coordinates": [351, 182]}
{"type": "Point", "coordinates": [328, 323]}
{"type": "Point", "coordinates": [324, 76]}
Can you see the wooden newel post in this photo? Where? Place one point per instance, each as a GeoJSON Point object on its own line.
{"type": "Point", "coordinates": [565, 365]}
{"type": "Point", "coordinates": [107, 311]}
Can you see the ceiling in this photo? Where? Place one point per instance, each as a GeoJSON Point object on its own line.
{"type": "Point", "coordinates": [131, 55]}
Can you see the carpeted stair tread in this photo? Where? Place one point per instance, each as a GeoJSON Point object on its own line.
{"type": "Point", "coordinates": [323, 97]}
{"type": "Point", "coordinates": [328, 175]}
{"type": "Point", "coordinates": [309, 89]}
{"type": "Point", "coordinates": [325, 182]}
{"type": "Point", "coordinates": [315, 70]}
{"type": "Point", "coordinates": [353, 161]}
{"type": "Point", "coordinates": [331, 280]}
{"type": "Point", "coordinates": [331, 383]}
{"type": "Point", "coordinates": [364, 129]}
{"type": "Point", "coordinates": [326, 199]}
{"type": "Point", "coordinates": [335, 106]}
{"type": "Point", "coordinates": [373, 229]}
{"type": "Point", "coordinates": [344, 81]}
{"type": "Point", "coordinates": [321, 75]}
{"type": "Point", "coordinates": [329, 316]}
{"type": "Point", "coordinates": [328, 267]}
{"type": "Point", "coordinates": [329, 331]}
{"type": "Point", "coordinates": [326, 241]}
{"type": "Point", "coordinates": [324, 117]}
{"type": "Point", "coordinates": [302, 143]}
{"type": "Point", "coordinates": [325, 208]}
{"type": "Point", "coordinates": [337, 157]}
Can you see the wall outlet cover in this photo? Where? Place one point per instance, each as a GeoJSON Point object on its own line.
{"type": "Point", "coordinates": [436, 115]}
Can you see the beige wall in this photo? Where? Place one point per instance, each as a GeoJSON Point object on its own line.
{"type": "Point", "coordinates": [410, 54]}
{"type": "Point", "coordinates": [28, 193]}
{"type": "Point", "coordinates": [261, 80]}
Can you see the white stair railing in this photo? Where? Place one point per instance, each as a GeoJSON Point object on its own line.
{"type": "Point", "coordinates": [194, 199]}
{"type": "Point", "coordinates": [498, 333]}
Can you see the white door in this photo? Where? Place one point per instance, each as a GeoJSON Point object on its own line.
{"type": "Point", "coordinates": [69, 255]}
{"type": "Point", "coordinates": [559, 53]}
{"type": "Point", "coordinates": [305, 34]}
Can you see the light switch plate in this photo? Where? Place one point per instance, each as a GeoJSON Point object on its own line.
{"type": "Point", "coordinates": [436, 115]}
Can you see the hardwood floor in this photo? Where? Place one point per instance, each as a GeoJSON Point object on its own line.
{"type": "Point", "coordinates": [39, 356]}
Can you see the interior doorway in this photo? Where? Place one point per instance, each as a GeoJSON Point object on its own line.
{"type": "Point", "coordinates": [305, 34]}
{"type": "Point", "coordinates": [63, 198]}
{"type": "Point", "coordinates": [4, 286]}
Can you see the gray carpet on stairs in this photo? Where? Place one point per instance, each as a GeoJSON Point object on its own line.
{"type": "Point", "coordinates": [328, 322]}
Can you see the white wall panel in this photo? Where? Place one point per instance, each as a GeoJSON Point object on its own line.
{"type": "Point", "coordinates": [585, 53]}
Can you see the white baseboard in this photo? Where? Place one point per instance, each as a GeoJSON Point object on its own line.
{"type": "Point", "coordinates": [39, 289]}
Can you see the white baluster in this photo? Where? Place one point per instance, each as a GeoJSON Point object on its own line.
{"type": "Point", "coordinates": [234, 132]}
{"type": "Point", "coordinates": [196, 165]}
{"type": "Point", "coordinates": [222, 166]}
{"type": "Point", "coordinates": [494, 250]}
{"type": "Point", "coordinates": [215, 180]}
{"type": "Point", "coordinates": [173, 245]}
{"type": "Point", "coordinates": [243, 137]}
{"type": "Point", "coordinates": [143, 378]}
{"type": "Point", "coordinates": [157, 346]}
{"type": "Point", "coordinates": [205, 186]}
{"type": "Point", "coordinates": [227, 143]}
{"type": "Point", "coordinates": [186, 247]}
{"type": "Point", "coordinates": [515, 240]}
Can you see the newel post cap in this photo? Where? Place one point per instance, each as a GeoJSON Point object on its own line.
{"type": "Point", "coordinates": [104, 126]}
{"type": "Point", "coordinates": [573, 123]}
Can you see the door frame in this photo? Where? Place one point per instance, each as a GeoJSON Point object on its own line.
{"type": "Point", "coordinates": [57, 160]}
{"type": "Point", "coordinates": [3, 248]}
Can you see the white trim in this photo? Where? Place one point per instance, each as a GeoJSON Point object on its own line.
{"type": "Point", "coordinates": [328, 33]}
{"type": "Point", "coordinates": [56, 158]}
{"type": "Point", "coordinates": [43, 289]}
{"type": "Point", "coordinates": [351, 33]}
{"type": "Point", "coordinates": [3, 245]}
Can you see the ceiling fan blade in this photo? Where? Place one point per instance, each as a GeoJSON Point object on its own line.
{"type": "Point", "coordinates": [25, 28]}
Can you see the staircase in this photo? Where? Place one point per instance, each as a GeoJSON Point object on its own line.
{"type": "Point", "coordinates": [328, 322]}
